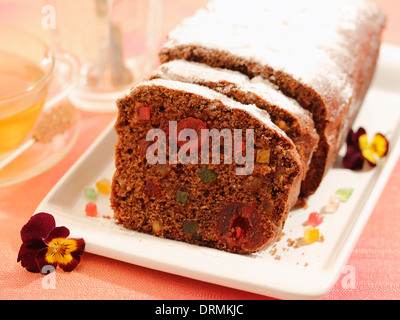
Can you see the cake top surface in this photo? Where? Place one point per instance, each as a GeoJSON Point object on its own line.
{"type": "Point", "coordinates": [308, 40]}
{"type": "Point", "coordinates": [212, 95]}
{"type": "Point", "coordinates": [194, 72]}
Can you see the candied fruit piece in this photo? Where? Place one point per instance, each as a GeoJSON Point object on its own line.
{"type": "Point", "coordinates": [206, 175]}
{"type": "Point", "coordinates": [156, 226]}
{"type": "Point", "coordinates": [311, 234]}
{"type": "Point", "coordinates": [104, 186]}
{"type": "Point", "coordinates": [152, 189]}
{"type": "Point", "coordinates": [164, 125]}
{"type": "Point", "coordinates": [239, 227]}
{"type": "Point", "coordinates": [182, 197]}
{"type": "Point", "coordinates": [91, 193]}
{"type": "Point", "coordinates": [267, 207]}
{"type": "Point", "coordinates": [282, 125]}
{"type": "Point", "coordinates": [162, 169]}
{"type": "Point", "coordinates": [144, 145]}
{"type": "Point", "coordinates": [91, 209]}
{"type": "Point", "coordinates": [263, 156]}
{"type": "Point", "coordinates": [332, 205]}
{"type": "Point", "coordinates": [314, 219]}
{"type": "Point", "coordinates": [196, 124]}
{"type": "Point", "coordinates": [344, 193]}
{"type": "Point", "coordinates": [143, 113]}
{"type": "Point", "coordinates": [252, 183]}
{"type": "Point", "coordinates": [190, 227]}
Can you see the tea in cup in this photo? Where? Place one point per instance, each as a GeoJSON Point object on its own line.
{"type": "Point", "coordinates": [27, 67]}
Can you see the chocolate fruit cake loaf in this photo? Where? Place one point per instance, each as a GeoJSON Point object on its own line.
{"type": "Point", "coordinates": [285, 112]}
{"type": "Point", "coordinates": [321, 53]}
{"type": "Point", "coordinates": [202, 198]}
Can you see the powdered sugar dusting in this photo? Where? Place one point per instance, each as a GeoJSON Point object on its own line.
{"type": "Point", "coordinates": [308, 40]}
{"type": "Point", "coordinates": [193, 72]}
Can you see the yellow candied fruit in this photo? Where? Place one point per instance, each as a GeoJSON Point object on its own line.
{"type": "Point", "coordinates": [282, 125]}
{"type": "Point", "coordinates": [263, 156]}
{"type": "Point", "coordinates": [104, 186]}
{"type": "Point", "coordinates": [156, 226]}
{"type": "Point", "coordinates": [311, 234]}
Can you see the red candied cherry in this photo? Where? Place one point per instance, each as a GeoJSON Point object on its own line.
{"type": "Point", "coordinates": [143, 113]}
{"type": "Point", "coordinates": [195, 124]}
{"type": "Point", "coordinates": [239, 227]}
{"type": "Point", "coordinates": [144, 145]}
{"type": "Point", "coordinates": [164, 125]}
{"type": "Point", "coordinates": [152, 189]}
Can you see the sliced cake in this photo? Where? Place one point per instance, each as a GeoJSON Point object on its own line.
{"type": "Point", "coordinates": [235, 197]}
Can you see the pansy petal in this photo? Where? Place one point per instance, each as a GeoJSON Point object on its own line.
{"type": "Point", "coordinates": [35, 244]}
{"type": "Point", "coordinates": [354, 137]}
{"type": "Point", "coordinates": [76, 256]}
{"type": "Point", "coordinates": [28, 259]}
{"type": "Point", "coordinates": [65, 253]}
{"type": "Point", "coordinates": [79, 247]}
{"type": "Point", "coordinates": [57, 232]}
{"type": "Point", "coordinates": [349, 139]}
{"type": "Point", "coordinates": [353, 159]}
{"type": "Point", "coordinates": [38, 226]}
{"type": "Point", "coordinates": [70, 266]}
{"type": "Point", "coordinates": [368, 155]}
{"type": "Point", "coordinates": [363, 141]}
{"type": "Point", "coordinates": [23, 251]}
{"type": "Point", "coordinates": [379, 145]}
{"type": "Point", "coordinates": [41, 259]}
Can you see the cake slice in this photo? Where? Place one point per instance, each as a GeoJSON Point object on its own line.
{"type": "Point", "coordinates": [162, 187]}
{"type": "Point", "coordinates": [321, 53]}
{"type": "Point", "coordinates": [285, 112]}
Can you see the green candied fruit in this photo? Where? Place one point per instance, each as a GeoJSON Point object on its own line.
{"type": "Point", "coordinates": [344, 193]}
{"type": "Point", "coordinates": [91, 193]}
{"type": "Point", "coordinates": [206, 175]}
{"type": "Point", "coordinates": [190, 227]}
{"type": "Point", "coordinates": [182, 197]}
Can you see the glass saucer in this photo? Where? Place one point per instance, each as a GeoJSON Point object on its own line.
{"type": "Point", "coordinates": [39, 157]}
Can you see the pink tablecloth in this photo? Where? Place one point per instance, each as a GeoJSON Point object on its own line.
{"type": "Point", "coordinates": [375, 259]}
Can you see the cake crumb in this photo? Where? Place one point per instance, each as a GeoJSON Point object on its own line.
{"type": "Point", "coordinates": [291, 242]}
{"type": "Point", "coordinates": [301, 203]}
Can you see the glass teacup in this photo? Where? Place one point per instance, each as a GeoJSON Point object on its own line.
{"type": "Point", "coordinates": [27, 67]}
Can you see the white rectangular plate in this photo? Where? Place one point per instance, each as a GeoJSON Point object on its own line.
{"type": "Point", "coordinates": [285, 272]}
